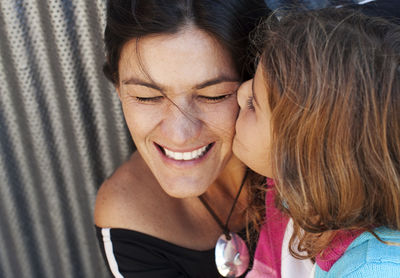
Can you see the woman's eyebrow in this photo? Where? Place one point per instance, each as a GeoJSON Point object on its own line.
{"type": "Point", "coordinates": [215, 81]}
{"type": "Point", "coordinates": [136, 81]}
{"type": "Point", "coordinates": [202, 85]}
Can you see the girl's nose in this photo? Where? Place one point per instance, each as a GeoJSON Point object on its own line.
{"type": "Point", "coordinates": [243, 93]}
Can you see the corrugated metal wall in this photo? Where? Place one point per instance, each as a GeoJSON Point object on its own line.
{"type": "Point", "coordinates": [61, 135]}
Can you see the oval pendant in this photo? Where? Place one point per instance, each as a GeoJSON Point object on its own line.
{"type": "Point", "coordinates": [231, 256]}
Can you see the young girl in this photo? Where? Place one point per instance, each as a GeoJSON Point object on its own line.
{"type": "Point", "coordinates": [322, 118]}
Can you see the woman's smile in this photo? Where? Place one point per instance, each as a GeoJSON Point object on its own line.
{"type": "Point", "coordinates": [193, 155]}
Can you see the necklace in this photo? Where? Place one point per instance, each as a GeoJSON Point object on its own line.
{"type": "Point", "coordinates": [231, 253]}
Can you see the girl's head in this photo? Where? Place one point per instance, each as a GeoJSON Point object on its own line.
{"type": "Point", "coordinates": [176, 66]}
{"type": "Point", "coordinates": [326, 100]}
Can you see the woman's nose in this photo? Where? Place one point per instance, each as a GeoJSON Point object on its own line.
{"type": "Point", "coordinates": [243, 92]}
{"type": "Point", "coordinates": [181, 126]}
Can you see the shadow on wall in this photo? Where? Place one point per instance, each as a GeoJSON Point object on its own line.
{"type": "Point", "coordinates": [61, 135]}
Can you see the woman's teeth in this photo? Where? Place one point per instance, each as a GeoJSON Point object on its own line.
{"type": "Point", "coordinates": [186, 155]}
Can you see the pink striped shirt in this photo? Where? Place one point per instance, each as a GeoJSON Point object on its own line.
{"type": "Point", "coordinates": [270, 246]}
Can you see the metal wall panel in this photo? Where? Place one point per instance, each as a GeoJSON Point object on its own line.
{"type": "Point", "coordinates": [61, 134]}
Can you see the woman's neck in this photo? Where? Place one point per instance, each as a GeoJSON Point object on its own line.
{"type": "Point", "coordinates": [228, 182]}
{"type": "Point", "coordinates": [221, 194]}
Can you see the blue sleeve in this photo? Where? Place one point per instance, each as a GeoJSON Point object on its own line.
{"type": "Point", "coordinates": [367, 257]}
{"type": "Point", "coordinates": [376, 270]}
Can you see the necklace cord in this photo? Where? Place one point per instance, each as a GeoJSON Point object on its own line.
{"type": "Point", "coordinates": [216, 218]}
{"type": "Point", "coordinates": [225, 228]}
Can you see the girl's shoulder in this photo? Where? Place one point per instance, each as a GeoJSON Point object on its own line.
{"type": "Point", "coordinates": [367, 257]}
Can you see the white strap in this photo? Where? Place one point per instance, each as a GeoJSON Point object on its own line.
{"type": "Point", "coordinates": [108, 248]}
{"type": "Point", "coordinates": [290, 266]}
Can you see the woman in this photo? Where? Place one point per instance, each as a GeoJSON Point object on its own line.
{"type": "Point", "coordinates": [325, 106]}
{"type": "Point", "coordinates": [176, 66]}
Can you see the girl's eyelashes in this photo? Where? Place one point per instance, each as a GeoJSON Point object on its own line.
{"type": "Point", "coordinates": [250, 104]}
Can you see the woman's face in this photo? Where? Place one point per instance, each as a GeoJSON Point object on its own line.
{"type": "Point", "coordinates": [180, 107]}
{"type": "Point", "coordinates": [252, 141]}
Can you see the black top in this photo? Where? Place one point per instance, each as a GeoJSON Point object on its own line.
{"type": "Point", "coordinates": [130, 253]}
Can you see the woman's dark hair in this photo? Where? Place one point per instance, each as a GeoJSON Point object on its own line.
{"type": "Point", "coordinates": [229, 21]}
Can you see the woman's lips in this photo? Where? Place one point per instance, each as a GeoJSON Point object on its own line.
{"type": "Point", "coordinates": [185, 156]}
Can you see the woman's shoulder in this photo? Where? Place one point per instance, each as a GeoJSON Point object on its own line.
{"type": "Point", "coordinates": [124, 195]}
{"type": "Point", "coordinates": [369, 257]}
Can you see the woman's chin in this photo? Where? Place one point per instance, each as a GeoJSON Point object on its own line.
{"type": "Point", "coordinates": [184, 190]}
{"type": "Point", "coordinates": [182, 195]}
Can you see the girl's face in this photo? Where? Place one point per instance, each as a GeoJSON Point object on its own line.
{"type": "Point", "coordinates": [180, 107]}
{"type": "Point", "coordinates": [252, 141]}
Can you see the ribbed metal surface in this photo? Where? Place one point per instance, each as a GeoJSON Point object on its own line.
{"type": "Point", "coordinates": [61, 135]}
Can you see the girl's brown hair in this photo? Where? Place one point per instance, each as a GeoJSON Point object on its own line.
{"type": "Point", "coordinates": [333, 85]}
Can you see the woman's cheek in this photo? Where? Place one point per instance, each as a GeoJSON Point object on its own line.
{"type": "Point", "coordinates": [224, 117]}
{"type": "Point", "coordinates": [141, 119]}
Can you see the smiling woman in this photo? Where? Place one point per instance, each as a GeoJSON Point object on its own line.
{"type": "Point", "coordinates": [176, 68]}
{"type": "Point", "coordinates": [183, 103]}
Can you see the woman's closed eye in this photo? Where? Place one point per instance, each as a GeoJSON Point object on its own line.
{"type": "Point", "coordinates": [214, 99]}
{"type": "Point", "coordinates": [149, 99]}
